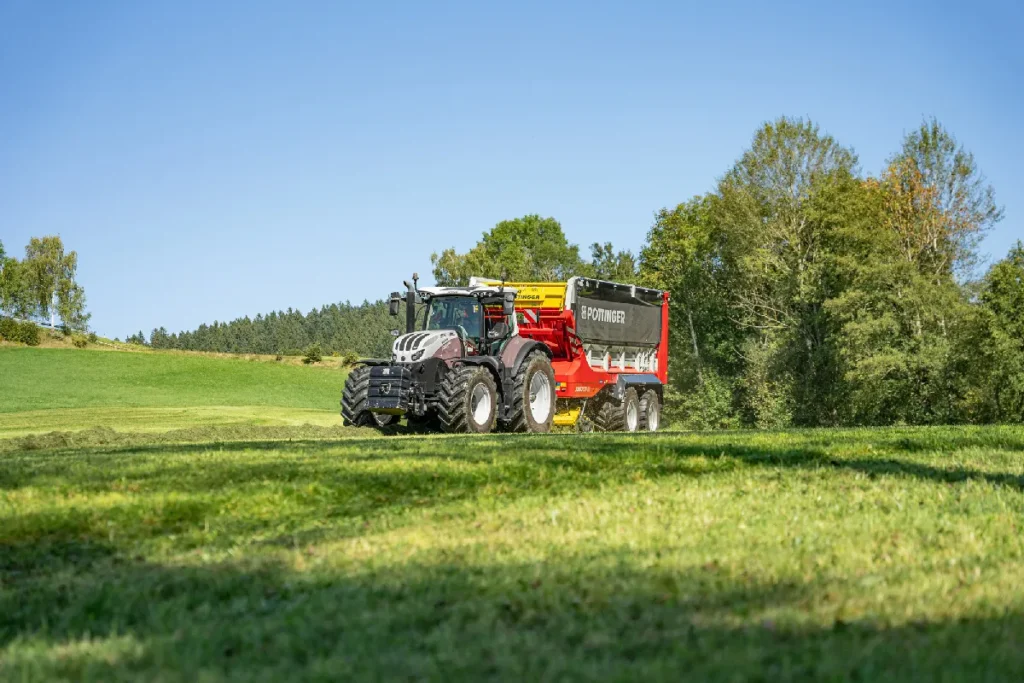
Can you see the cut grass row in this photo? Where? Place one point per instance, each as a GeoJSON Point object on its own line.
{"type": "Point", "coordinates": [845, 555]}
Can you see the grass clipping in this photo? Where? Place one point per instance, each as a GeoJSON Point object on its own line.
{"type": "Point", "coordinates": [105, 436]}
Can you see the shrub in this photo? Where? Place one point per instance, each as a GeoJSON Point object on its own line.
{"type": "Point", "coordinates": [349, 358]}
{"type": "Point", "coordinates": [80, 341]}
{"type": "Point", "coordinates": [314, 354]}
{"type": "Point", "coordinates": [30, 334]}
{"type": "Point", "coordinates": [23, 333]}
{"type": "Point", "coordinates": [278, 358]}
{"type": "Point", "coordinates": [93, 338]}
{"type": "Point", "coordinates": [708, 406]}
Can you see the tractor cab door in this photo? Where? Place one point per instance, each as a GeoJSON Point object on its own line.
{"type": "Point", "coordinates": [496, 328]}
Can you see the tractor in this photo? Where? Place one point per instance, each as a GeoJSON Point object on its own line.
{"type": "Point", "coordinates": [519, 357]}
{"type": "Point", "coordinates": [461, 369]}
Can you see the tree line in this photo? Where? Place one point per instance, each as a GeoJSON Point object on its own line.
{"type": "Point", "coordinates": [42, 285]}
{"type": "Point", "coordinates": [528, 247]}
{"type": "Point", "coordinates": [344, 327]}
{"type": "Point", "coordinates": [805, 292]}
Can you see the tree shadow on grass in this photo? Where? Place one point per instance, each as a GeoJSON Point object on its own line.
{"type": "Point", "coordinates": [565, 619]}
{"type": "Point", "coordinates": [341, 488]}
{"type": "Point", "coordinates": [595, 618]}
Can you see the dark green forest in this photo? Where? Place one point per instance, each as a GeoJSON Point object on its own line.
{"type": "Point", "coordinates": [531, 247]}
{"type": "Point", "coordinates": [339, 328]}
{"type": "Point", "coordinates": [805, 292]}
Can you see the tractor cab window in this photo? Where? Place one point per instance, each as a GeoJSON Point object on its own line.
{"type": "Point", "coordinates": [456, 313]}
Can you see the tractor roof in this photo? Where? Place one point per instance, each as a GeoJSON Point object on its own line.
{"type": "Point", "coordinates": [472, 290]}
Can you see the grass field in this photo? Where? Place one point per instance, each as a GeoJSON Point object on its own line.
{"type": "Point", "coordinates": [68, 389]}
{"type": "Point", "coordinates": [867, 555]}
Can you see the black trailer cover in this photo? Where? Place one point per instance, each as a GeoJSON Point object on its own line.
{"type": "Point", "coordinates": [612, 313]}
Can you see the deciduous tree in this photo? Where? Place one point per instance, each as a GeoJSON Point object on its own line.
{"type": "Point", "coordinates": [527, 248]}
{"type": "Point", "coordinates": [51, 276]}
{"type": "Point", "coordinates": [608, 264]}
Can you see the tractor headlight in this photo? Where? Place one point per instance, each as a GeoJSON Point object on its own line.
{"type": "Point", "coordinates": [416, 356]}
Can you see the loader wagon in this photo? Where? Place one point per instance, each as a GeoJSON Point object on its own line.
{"type": "Point", "coordinates": [609, 348]}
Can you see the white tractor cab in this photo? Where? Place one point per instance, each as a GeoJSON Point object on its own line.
{"type": "Point", "coordinates": [462, 367]}
{"type": "Point", "coordinates": [480, 317]}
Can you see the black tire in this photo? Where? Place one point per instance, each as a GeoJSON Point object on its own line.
{"type": "Point", "coordinates": [650, 411]}
{"type": "Point", "coordinates": [423, 424]}
{"type": "Point", "coordinates": [382, 420]}
{"type": "Point", "coordinates": [611, 415]}
{"type": "Point", "coordinates": [523, 419]}
{"type": "Point", "coordinates": [353, 399]}
{"type": "Point", "coordinates": [456, 398]}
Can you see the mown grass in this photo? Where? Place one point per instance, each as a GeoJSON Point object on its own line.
{"type": "Point", "coordinates": [867, 555]}
{"type": "Point", "coordinates": [68, 389]}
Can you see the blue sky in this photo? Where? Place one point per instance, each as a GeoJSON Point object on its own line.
{"type": "Point", "coordinates": [213, 160]}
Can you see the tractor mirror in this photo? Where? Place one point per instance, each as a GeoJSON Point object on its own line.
{"type": "Point", "coordinates": [508, 307]}
{"type": "Point", "coordinates": [396, 298]}
{"type": "Point", "coordinates": [499, 331]}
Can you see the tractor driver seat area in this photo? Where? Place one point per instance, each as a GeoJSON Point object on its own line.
{"type": "Point", "coordinates": [496, 328]}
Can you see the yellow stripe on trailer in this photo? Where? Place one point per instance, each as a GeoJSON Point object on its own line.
{"type": "Point", "coordinates": [536, 294]}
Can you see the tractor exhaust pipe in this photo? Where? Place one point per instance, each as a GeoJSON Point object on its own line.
{"type": "Point", "coordinates": [411, 295]}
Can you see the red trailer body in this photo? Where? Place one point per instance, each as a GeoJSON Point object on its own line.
{"type": "Point", "coordinates": [584, 364]}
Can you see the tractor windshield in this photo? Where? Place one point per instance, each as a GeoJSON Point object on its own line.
{"type": "Point", "coordinates": [455, 313]}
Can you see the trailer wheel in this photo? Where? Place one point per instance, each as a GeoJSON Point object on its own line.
{"type": "Point", "coordinates": [650, 411]}
{"type": "Point", "coordinates": [533, 396]}
{"type": "Point", "coordinates": [619, 416]}
{"type": "Point", "coordinates": [631, 409]}
{"type": "Point", "coordinates": [467, 401]}
{"type": "Point", "coordinates": [353, 399]}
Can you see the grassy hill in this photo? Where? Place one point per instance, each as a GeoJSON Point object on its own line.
{"type": "Point", "coordinates": [881, 555]}
{"type": "Point", "coordinates": [67, 389]}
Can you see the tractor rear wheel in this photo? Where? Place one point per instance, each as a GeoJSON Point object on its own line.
{"type": "Point", "coordinates": [533, 396]}
{"type": "Point", "coordinates": [650, 411]}
{"type": "Point", "coordinates": [619, 416]}
{"type": "Point", "coordinates": [353, 398]}
{"type": "Point", "coordinates": [467, 401]}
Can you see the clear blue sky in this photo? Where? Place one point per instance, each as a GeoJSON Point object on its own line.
{"type": "Point", "coordinates": [212, 160]}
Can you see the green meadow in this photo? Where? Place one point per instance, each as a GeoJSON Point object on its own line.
{"type": "Point", "coordinates": [69, 389]}
{"type": "Point", "coordinates": [206, 519]}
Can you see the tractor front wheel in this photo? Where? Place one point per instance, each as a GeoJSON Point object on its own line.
{"type": "Point", "coordinates": [353, 399]}
{"type": "Point", "coordinates": [467, 401]}
{"type": "Point", "coordinates": [353, 402]}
